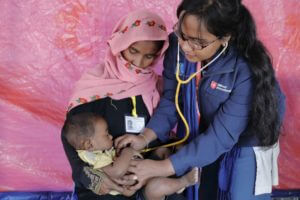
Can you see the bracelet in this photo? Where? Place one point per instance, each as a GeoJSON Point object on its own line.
{"type": "Point", "coordinates": [146, 141]}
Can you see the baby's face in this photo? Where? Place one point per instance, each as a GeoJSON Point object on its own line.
{"type": "Point", "coordinates": [101, 140]}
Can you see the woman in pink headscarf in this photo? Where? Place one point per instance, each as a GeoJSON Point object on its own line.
{"type": "Point", "coordinates": [122, 89]}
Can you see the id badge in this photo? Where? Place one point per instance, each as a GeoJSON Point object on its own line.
{"type": "Point", "coordinates": [134, 124]}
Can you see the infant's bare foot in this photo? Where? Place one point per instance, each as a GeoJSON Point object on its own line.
{"type": "Point", "coordinates": [192, 177]}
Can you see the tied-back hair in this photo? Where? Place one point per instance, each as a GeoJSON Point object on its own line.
{"type": "Point", "coordinates": [231, 18]}
{"type": "Point", "coordinates": [79, 127]}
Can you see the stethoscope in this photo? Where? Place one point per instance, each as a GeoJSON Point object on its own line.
{"type": "Point", "coordinates": [180, 82]}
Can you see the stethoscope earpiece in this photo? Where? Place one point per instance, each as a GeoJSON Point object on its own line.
{"type": "Point", "coordinates": [225, 44]}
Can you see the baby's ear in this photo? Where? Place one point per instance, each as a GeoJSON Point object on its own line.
{"type": "Point", "coordinates": [87, 145]}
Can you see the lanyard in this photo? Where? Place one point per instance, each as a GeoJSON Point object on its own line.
{"type": "Point", "coordinates": [133, 112]}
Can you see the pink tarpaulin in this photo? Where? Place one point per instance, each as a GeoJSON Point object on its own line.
{"type": "Point", "coordinates": [46, 45]}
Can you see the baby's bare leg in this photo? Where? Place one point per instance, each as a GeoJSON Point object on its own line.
{"type": "Point", "coordinates": [159, 187]}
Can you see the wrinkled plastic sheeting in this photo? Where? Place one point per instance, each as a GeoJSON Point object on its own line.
{"type": "Point", "coordinates": [278, 24]}
{"type": "Point", "coordinates": [46, 45]}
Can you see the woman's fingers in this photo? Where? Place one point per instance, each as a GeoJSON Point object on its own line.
{"type": "Point", "coordinates": [127, 180]}
{"type": "Point", "coordinates": [139, 169]}
{"type": "Point", "coordinates": [122, 141]}
{"type": "Point", "coordinates": [136, 142]}
{"type": "Point", "coordinates": [116, 187]}
{"type": "Point", "coordinates": [133, 166]}
{"type": "Point", "coordinates": [107, 185]}
{"type": "Point", "coordinates": [137, 155]}
{"type": "Point", "coordinates": [134, 163]}
{"type": "Point", "coordinates": [130, 179]}
{"type": "Point", "coordinates": [137, 186]}
{"type": "Point", "coordinates": [118, 140]}
{"type": "Point", "coordinates": [132, 169]}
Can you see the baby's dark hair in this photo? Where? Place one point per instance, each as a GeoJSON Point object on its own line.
{"type": "Point", "coordinates": [79, 128]}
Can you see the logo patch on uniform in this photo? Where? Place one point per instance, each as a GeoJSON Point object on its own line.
{"type": "Point", "coordinates": [214, 85]}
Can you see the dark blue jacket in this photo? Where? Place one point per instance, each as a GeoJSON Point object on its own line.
{"type": "Point", "coordinates": [225, 94]}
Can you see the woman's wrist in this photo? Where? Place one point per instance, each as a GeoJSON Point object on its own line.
{"type": "Point", "coordinates": [145, 140]}
{"type": "Point", "coordinates": [148, 135]}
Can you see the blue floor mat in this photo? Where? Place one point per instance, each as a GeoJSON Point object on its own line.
{"type": "Point", "coordinates": [277, 194]}
{"type": "Point", "coordinates": [36, 196]}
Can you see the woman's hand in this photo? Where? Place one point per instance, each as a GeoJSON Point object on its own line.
{"type": "Point", "coordinates": [121, 185]}
{"type": "Point", "coordinates": [145, 169]}
{"type": "Point", "coordinates": [137, 142]}
{"type": "Point", "coordinates": [137, 155]}
{"type": "Point", "coordinates": [101, 184]}
{"type": "Point", "coordinates": [108, 185]}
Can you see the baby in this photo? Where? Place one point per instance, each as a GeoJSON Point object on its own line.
{"type": "Point", "coordinates": [88, 134]}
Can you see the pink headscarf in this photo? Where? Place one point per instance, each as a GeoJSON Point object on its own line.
{"type": "Point", "coordinates": [117, 78]}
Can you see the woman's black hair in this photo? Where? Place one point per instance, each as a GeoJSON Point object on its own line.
{"type": "Point", "coordinates": [231, 18]}
{"type": "Point", "coordinates": [159, 44]}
